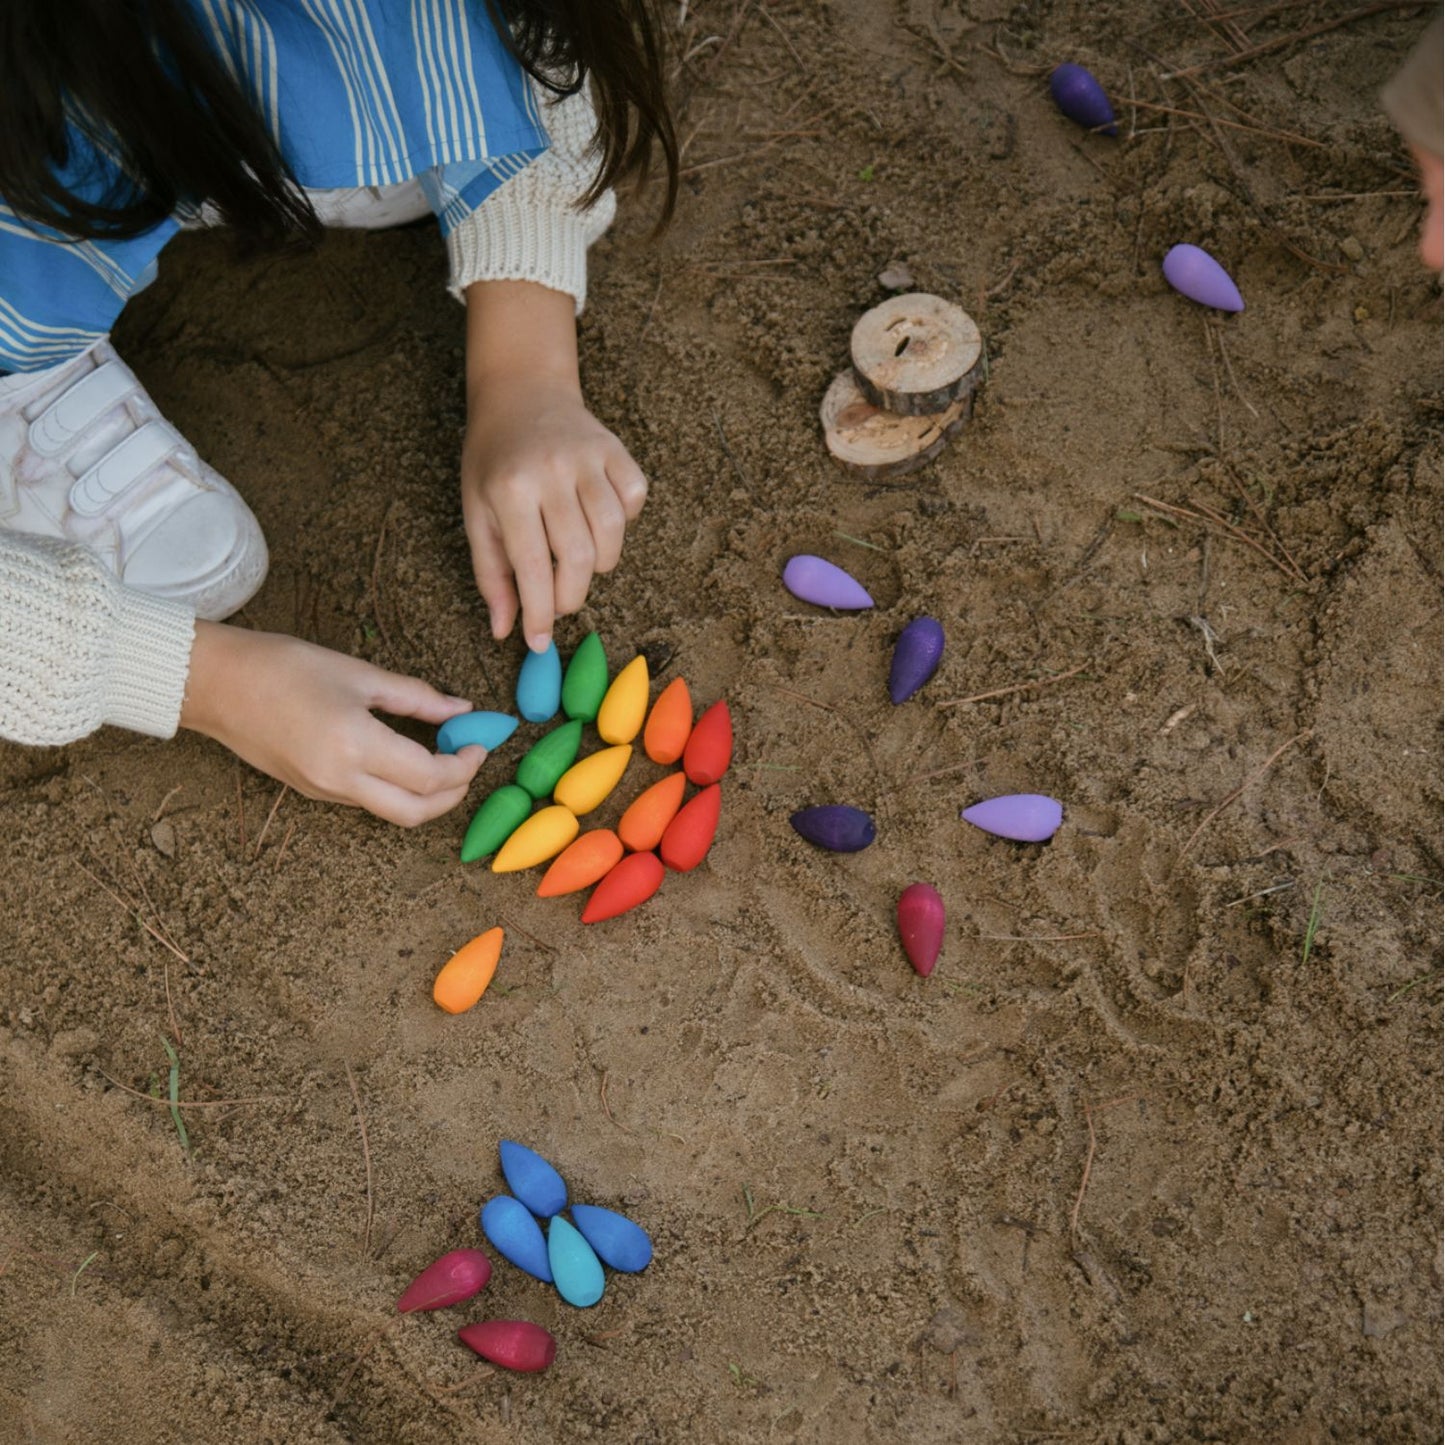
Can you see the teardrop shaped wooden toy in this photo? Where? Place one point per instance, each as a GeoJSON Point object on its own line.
{"type": "Point", "coordinates": [539, 685]}
{"type": "Point", "coordinates": [880, 444]}
{"type": "Point", "coordinates": [916, 354]}
{"type": "Point", "coordinates": [632, 881]}
{"type": "Point", "coordinates": [512, 1230]}
{"type": "Point", "coordinates": [544, 835]}
{"type": "Point", "coordinates": [581, 863]}
{"type": "Point", "coordinates": [480, 729]}
{"type": "Point", "coordinates": [920, 926]}
{"type": "Point", "coordinates": [1022, 817]}
{"type": "Point", "coordinates": [465, 975]}
{"type": "Point", "coordinates": [619, 719]}
{"type": "Point", "coordinates": [501, 814]}
{"type": "Point", "coordinates": [532, 1179]}
{"type": "Point", "coordinates": [584, 684]}
{"type": "Point", "coordinates": [548, 758]}
{"type": "Point", "coordinates": [585, 785]}
{"type": "Point", "coordinates": [690, 834]}
{"type": "Point", "coordinates": [669, 723]}
{"type": "Point", "coordinates": [615, 1239]}
{"type": "Point", "coordinates": [513, 1344]}
{"type": "Point", "coordinates": [709, 749]}
{"type": "Point", "coordinates": [1194, 273]}
{"type": "Point", "coordinates": [1082, 98]}
{"type": "Point", "coordinates": [916, 656]}
{"type": "Point", "coordinates": [835, 826]}
{"type": "Point", "coordinates": [641, 827]}
{"type": "Point", "coordinates": [576, 1270]}
{"type": "Point", "coordinates": [824, 584]}
{"type": "Point", "coordinates": [447, 1281]}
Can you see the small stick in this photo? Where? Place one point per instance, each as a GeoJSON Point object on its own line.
{"type": "Point", "coordinates": [376, 575]}
{"type": "Point", "coordinates": [1260, 518]}
{"type": "Point", "coordinates": [1228, 528]}
{"type": "Point", "coordinates": [1253, 778]}
{"type": "Point", "coordinates": [1088, 1166]}
{"type": "Point", "coordinates": [240, 809]}
{"type": "Point", "coordinates": [286, 838]}
{"type": "Point", "coordinates": [156, 816]}
{"type": "Point", "coordinates": [1263, 893]}
{"type": "Point", "coordinates": [261, 837]}
{"type": "Point", "coordinates": [1044, 938]}
{"type": "Point", "coordinates": [1234, 380]}
{"type": "Point", "coordinates": [192, 1103]}
{"type": "Point", "coordinates": [1281, 40]}
{"type": "Point", "coordinates": [365, 1155]}
{"type": "Point", "coordinates": [135, 913]}
{"type": "Point", "coordinates": [1017, 687]}
{"type": "Point", "coordinates": [792, 49]}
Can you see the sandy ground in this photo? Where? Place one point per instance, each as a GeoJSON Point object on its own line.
{"type": "Point", "coordinates": [1155, 1154]}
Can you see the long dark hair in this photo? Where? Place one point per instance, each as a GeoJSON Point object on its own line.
{"type": "Point", "coordinates": [142, 84]}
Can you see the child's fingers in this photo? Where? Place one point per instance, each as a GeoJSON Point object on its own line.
{"type": "Point", "coordinates": [407, 765]}
{"type": "Point", "coordinates": [526, 543]}
{"type": "Point", "coordinates": [628, 482]}
{"type": "Point", "coordinates": [397, 805]}
{"type": "Point", "coordinates": [575, 551]}
{"type": "Point", "coordinates": [605, 520]}
{"type": "Point", "coordinates": [493, 573]}
{"type": "Point", "coordinates": [411, 697]}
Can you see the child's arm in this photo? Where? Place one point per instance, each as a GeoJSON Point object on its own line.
{"type": "Point", "coordinates": [547, 490]}
{"type": "Point", "coordinates": [82, 650]}
{"type": "Point", "coordinates": [542, 478]}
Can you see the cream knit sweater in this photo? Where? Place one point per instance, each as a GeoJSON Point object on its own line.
{"type": "Point", "coordinates": [78, 649]}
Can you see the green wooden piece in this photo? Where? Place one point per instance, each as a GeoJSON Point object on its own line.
{"type": "Point", "coordinates": [549, 758]}
{"type": "Point", "coordinates": [500, 815]}
{"type": "Point", "coordinates": [585, 682]}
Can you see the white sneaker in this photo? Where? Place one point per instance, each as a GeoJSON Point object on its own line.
{"type": "Point", "coordinates": [86, 455]}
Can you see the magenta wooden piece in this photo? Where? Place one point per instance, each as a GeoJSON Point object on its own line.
{"type": "Point", "coordinates": [811, 579]}
{"type": "Point", "coordinates": [1024, 817]}
{"type": "Point", "coordinates": [1196, 274]}
{"type": "Point", "coordinates": [512, 1344]}
{"type": "Point", "coordinates": [450, 1280]}
{"type": "Point", "coordinates": [920, 926]}
{"type": "Point", "coordinates": [916, 656]}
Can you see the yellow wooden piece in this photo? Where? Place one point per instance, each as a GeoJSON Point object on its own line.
{"type": "Point", "coordinates": [619, 719]}
{"type": "Point", "coordinates": [544, 835]}
{"type": "Point", "coordinates": [584, 785]}
{"type": "Point", "coordinates": [466, 974]}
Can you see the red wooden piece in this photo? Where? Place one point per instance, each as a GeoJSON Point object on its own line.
{"type": "Point", "coordinates": [709, 749]}
{"type": "Point", "coordinates": [447, 1281]}
{"type": "Point", "coordinates": [632, 881]}
{"type": "Point", "coordinates": [920, 925]}
{"type": "Point", "coordinates": [690, 834]}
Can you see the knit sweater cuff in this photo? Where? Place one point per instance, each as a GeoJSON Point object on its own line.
{"type": "Point", "coordinates": [146, 682]}
{"type": "Point", "coordinates": [506, 240]}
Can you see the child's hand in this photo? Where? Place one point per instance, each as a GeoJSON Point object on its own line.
{"type": "Point", "coordinates": [303, 714]}
{"type": "Point", "coordinates": [542, 481]}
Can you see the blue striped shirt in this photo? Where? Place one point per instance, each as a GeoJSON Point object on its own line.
{"type": "Point", "coordinates": [356, 93]}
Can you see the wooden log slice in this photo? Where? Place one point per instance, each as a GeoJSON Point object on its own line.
{"type": "Point", "coordinates": [879, 444]}
{"type": "Point", "coordinates": [917, 354]}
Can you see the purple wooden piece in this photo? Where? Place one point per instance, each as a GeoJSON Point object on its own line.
{"type": "Point", "coordinates": [916, 656]}
{"type": "Point", "coordinates": [811, 579]}
{"type": "Point", "coordinates": [1082, 98]}
{"type": "Point", "coordinates": [1024, 817]}
{"type": "Point", "coordinates": [834, 826]}
{"type": "Point", "coordinates": [1196, 274]}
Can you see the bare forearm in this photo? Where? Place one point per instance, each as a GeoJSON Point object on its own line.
{"type": "Point", "coordinates": [519, 333]}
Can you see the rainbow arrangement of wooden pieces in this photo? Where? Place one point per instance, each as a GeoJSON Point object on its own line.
{"type": "Point", "coordinates": [536, 818]}
{"type": "Point", "coordinates": [570, 1256]}
{"type": "Point", "coordinates": [840, 828]}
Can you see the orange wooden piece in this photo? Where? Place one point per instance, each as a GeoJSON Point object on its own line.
{"type": "Point", "coordinates": [710, 748]}
{"type": "Point", "coordinates": [465, 975]}
{"type": "Point", "coordinates": [641, 827]}
{"type": "Point", "coordinates": [669, 723]}
{"type": "Point", "coordinates": [690, 834]}
{"type": "Point", "coordinates": [581, 863]}
{"type": "Point", "coordinates": [632, 881]}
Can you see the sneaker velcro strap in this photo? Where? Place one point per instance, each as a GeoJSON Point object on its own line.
{"type": "Point", "coordinates": [78, 409]}
{"type": "Point", "coordinates": [123, 466]}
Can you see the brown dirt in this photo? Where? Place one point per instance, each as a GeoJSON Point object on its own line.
{"type": "Point", "coordinates": [1168, 1171]}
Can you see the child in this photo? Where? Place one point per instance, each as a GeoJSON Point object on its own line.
{"type": "Point", "coordinates": [1413, 101]}
{"type": "Point", "coordinates": [120, 549]}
